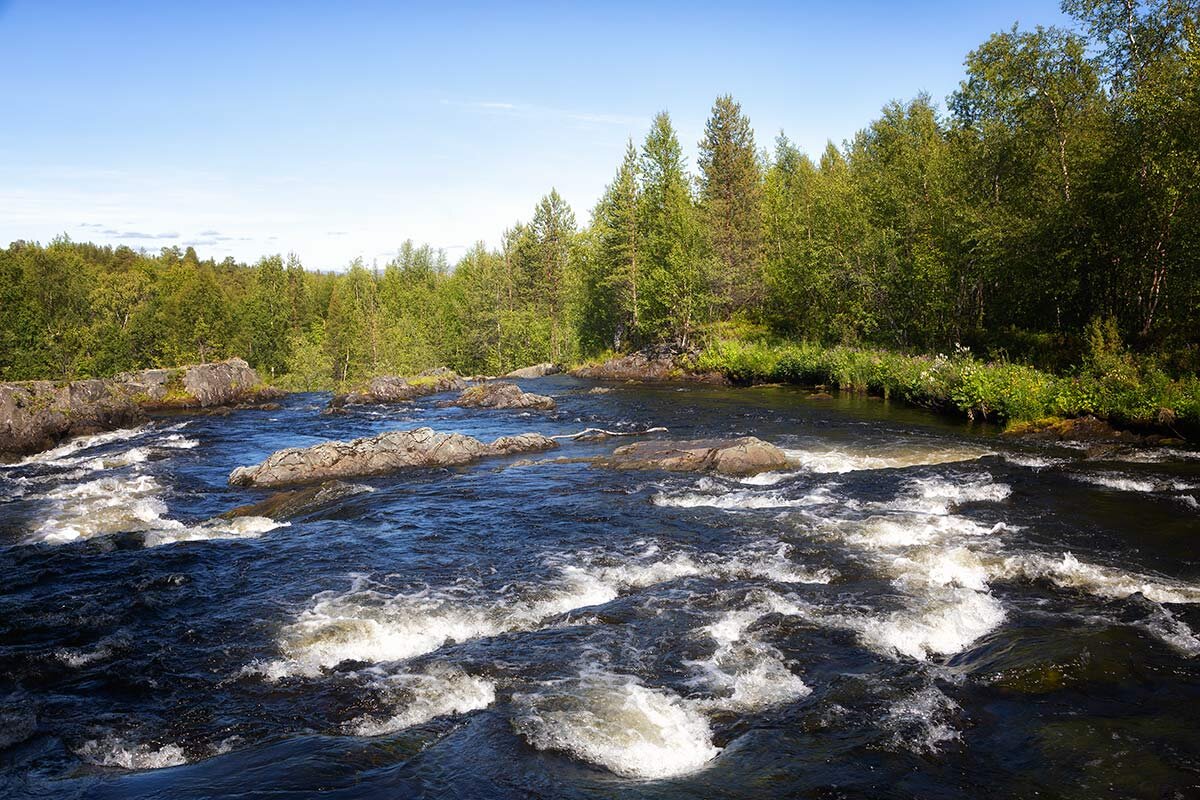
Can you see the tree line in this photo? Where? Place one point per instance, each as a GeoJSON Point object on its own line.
{"type": "Point", "coordinates": [1058, 188]}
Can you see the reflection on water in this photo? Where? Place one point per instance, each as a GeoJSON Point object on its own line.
{"type": "Point", "coordinates": [911, 608]}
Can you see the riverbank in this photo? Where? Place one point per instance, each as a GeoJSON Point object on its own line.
{"type": "Point", "coordinates": [37, 415]}
{"type": "Point", "coordinates": [1116, 389]}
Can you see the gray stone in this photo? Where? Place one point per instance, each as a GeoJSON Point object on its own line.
{"type": "Point", "coordinates": [746, 456]}
{"type": "Point", "coordinates": [379, 455]}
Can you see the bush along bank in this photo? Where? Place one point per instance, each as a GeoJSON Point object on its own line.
{"type": "Point", "coordinates": [1113, 384]}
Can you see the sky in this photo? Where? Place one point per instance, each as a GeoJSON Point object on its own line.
{"type": "Point", "coordinates": [338, 130]}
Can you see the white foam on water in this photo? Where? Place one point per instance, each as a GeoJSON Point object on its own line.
{"type": "Point", "coordinates": [130, 504]}
{"type": "Point", "coordinates": [1068, 572]}
{"type": "Point", "coordinates": [235, 528]}
{"type": "Point", "coordinates": [1125, 483]}
{"type": "Point", "coordinates": [1188, 500]}
{"type": "Point", "coordinates": [103, 506]}
{"type": "Point", "coordinates": [366, 625]}
{"type": "Point", "coordinates": [768, 478]}
{"type": "Point", "coordinates": [57, 454]}
{"type": "Point", "coordinates": [617, 723]}
{"type": "Point", "coordinates": [743, 499]}
{"type": "Point", "coordinates": [940, 496]}
{"type": "Point", "coordinates": [1175, 632]}
{"type": "Point", "coordinates": [421, 697]}
{"type": "Point", "coordinates": [890, 531]}
{"type": "Point", "coordinates": [941, 562]}
{"type": "Point", "coordinates": [176, 441]}
{"type": "Point", "coordinates": [111, 751]}
{"type": "Point", "coordinates": [773, 564]}
{"type": "Point", "coordinates": [134, 455]}
{"type": "Point", "coordinates": [841, 460]}
{"type": "Point", "coordinates": [939, 623]}
{"type": "Point", "coordinates": [923, 721]}
{"type": "Point", "coordinates": [748, 674]}
{"type": "Point", "coordinates": [1034, 462]}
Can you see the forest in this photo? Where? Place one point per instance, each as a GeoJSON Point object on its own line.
{"type": "Point", "coordinates": [1048, 215]}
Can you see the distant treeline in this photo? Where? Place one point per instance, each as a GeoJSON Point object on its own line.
{"type": "Point", "coordinates": [1060, 189]}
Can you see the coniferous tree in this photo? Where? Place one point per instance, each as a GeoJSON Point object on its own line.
{"type": "Point", "coordinates": [674, 292]}
{"type": "Point", "coordinates": [731, 203]}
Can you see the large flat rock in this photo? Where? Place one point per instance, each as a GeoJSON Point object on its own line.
{"type": "Point", "coordinates": [745, 456]}
{"type": "Point", "coordinates": [379, 455]}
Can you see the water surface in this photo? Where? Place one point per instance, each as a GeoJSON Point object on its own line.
{"type": "Point", "coordinates": [914, 608]}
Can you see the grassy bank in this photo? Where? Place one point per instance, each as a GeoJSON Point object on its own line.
{"type": "Point", "coordinates": [1112, 384]}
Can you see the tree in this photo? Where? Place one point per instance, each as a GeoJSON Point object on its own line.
{"type": "Point", "coordinates": [674, 293]}
{"type": "Point", "coordinates": [611, 304]}
{"type": "Point", "coordinates": [731, 191]}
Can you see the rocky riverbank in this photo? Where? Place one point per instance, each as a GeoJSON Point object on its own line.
{"type": "Point", "coordinates": [37, 415]}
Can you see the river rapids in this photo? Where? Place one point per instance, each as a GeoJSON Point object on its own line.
{"type": "Point", "coordinates": [913, 608]}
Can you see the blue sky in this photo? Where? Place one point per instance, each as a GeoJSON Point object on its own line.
{"type": "Point", "coordinates": [337, 130]}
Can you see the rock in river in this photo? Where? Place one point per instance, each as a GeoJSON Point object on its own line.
{"type": "Point", "coordinates": [536, 371]}
{"type": "Point", "coordinates": [379, 455]}
{"type": "Point", "coordinates": [746, 456]}
{"type": "Point", "coordinates": [393, 389]}
{"type": "Point", "coordinates": [502, 395]}
{"type": "Point", "coordinates": [291, 503]}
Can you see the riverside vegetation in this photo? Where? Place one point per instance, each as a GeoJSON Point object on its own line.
{"type": "Point", "coordinates": [1043, 231]}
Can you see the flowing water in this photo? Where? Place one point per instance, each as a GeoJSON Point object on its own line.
{"type": "Point", "coordinates": [912, 609]}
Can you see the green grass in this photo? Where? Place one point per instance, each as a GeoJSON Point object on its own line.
{"type": "Point", "coordinates": [1113, 385]}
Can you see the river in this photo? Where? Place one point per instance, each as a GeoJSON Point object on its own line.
{"type": "Point", "coordinates": [915, 608]}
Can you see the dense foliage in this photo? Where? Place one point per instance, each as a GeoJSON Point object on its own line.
{"type": "Point", "coordinates": [1058, 193]}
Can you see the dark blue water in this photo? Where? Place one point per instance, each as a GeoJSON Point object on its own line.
{"type": "Point", "coordinates": [914, 609]}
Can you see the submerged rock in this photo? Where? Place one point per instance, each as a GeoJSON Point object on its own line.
{"type": "Point", "coordinates": [502, 395]}
{"type": "Point", "coordinates": [379, 455]}
{"type": "Point", "coordinates": [535, 371]}
{"type": "Point", "coordinates": [653, 364]}
{"type": "Point", "coordinates": [297, 502]}
{"type": "Point", "coordinates": [393, 389]}
{"type": "Point", "coordinates": [746, 456]}
{"type": "Point", "coordinates": [37, 415]}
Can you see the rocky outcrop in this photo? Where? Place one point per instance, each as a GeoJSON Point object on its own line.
{"type": "Point", "coordinates": [218, 383]}
{"type": "Point", "coordinates": [36, 415]}
{"type": "Point", "coordinates": [536, 371]}
{"type": "Point", "coordinates": [292, 503]}
{"type": "Point", "coordinates": [378, 455]}
{"type": "Point", "coordinates": [746, 456]}
{"type": "Point", "coordinates": [393, 389]}
{"type": "Point", "coordinates": [502, 395]}
{"type": "Point", "coordinates": [654, 364]}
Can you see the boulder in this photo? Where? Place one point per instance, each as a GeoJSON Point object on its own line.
{"type": "Point", "coordinates": [745, 456]}
{"type": "Point", "coordinates": [502, 395]}
{"type": "Point", "coordinates": [653, 364]}
{"type": "Point", "coordinates": [378, 455]}
{"type": "Point", "coordinates": [393, 389]}
{"type": "Point", "coordinates": [292, 503]}
{"type": "Point", "coordinates": [219, 383]}
{"type": "Point", "coordinates": [535, 371]}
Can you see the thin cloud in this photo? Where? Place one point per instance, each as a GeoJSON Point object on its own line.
{"type": "Point", "coordinates": [209, 233]}
{"type": "Point", "coordinates": [137, 234]}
